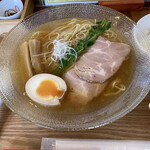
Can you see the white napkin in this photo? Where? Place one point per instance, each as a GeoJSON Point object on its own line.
{"type": "Point", "coordinates": [78, 144]}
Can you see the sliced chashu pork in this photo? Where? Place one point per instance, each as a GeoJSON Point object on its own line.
{"type": "Point", "coordinates": [81, 91]}
{"type": "Point", "coordinates": [102, 60]}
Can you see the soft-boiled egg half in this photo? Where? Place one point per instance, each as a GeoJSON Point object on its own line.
{"type": "Point", "coordinates": [46, 89]}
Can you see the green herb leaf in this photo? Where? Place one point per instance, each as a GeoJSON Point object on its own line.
{"type": "Point", "coordinates": [103, 22]}
{"type": "Point", "coordinates": [108, 26]}
{"type": "Point", "coordinates": [98, 22]}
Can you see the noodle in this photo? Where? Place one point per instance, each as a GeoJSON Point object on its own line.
{"type": "Point", "coordinates": [111, 35]}
{"type": "Point", "coordinates": [38, 35]}
{"type": "Point", "coordinates": [116, 86]}
{"type": "Point", "coordinates": [72, 31]}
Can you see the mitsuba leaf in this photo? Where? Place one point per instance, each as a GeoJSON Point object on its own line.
{"type": "Point", "coordinates": [108, 26]}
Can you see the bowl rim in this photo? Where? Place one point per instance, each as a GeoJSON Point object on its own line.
{"type": "Point", "coordinates": [110, 120]}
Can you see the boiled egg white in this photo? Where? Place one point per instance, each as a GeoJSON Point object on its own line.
{"type": "Point", "coordinates": [46, 89]}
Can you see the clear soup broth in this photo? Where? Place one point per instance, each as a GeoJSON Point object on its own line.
{"type": "Point", "coordinates": [123, 76]}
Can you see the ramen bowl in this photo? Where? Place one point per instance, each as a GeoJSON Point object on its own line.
{"type": "Point", "coordinates": [127, 101]}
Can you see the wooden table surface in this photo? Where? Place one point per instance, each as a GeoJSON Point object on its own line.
{"type": "Point", "coordinates": [17, 133]}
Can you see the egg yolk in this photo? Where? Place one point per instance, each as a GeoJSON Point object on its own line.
{"type": "Point", "coordinates": [49, 88]}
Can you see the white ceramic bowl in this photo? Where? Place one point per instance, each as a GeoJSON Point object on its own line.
{"type": "Point", "coordinates": [144, 22]}
{"type": "Point", "coordinates": [143, 25]}
{"type": "Point", "coordinates": [10, 4]}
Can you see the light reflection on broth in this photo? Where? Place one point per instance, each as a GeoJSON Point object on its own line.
{"type": "Point", "coordinates": [124, 75]}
